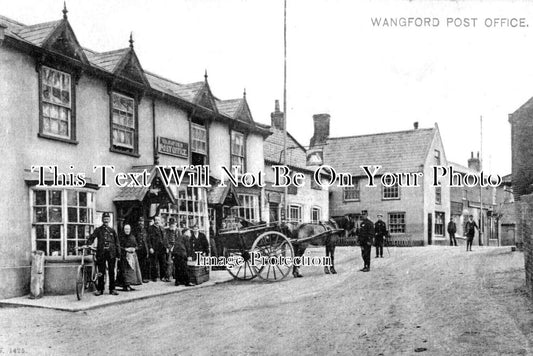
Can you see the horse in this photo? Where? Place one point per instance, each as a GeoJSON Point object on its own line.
{"type": "Point", "coordinates": [303, 231]}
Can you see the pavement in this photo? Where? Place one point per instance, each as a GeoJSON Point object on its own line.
{"type": "Point", "coordinates": [70, 302]}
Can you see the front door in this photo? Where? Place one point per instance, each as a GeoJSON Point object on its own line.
{"type": "Point", "coordinates": [274, 212]}
{"type": "Point", "coordinates": [430, 228]}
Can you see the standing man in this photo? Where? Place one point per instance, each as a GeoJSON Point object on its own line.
{"type": "Point", "coordinates": [107, 248]}
{"type": "Point", "coordinates": [380, 235]}
{"type": "Point", "coordinates": [199, 242]}
{"type": "Point", "coordinates": [171, 234]}
{"type": "Point", "coordinates": [143, 252]}
{"type": "Point", "coordinates": [158, 250]}
{"type": "Point", "coordinates": [470, 230]}
{"type": "Point", "coordinates": [452, 229]}
{"type": "Point", "coordinates": [365, 235]}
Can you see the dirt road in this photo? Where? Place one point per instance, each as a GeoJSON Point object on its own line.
{"type": "Point", "coordinates": [428, 300]}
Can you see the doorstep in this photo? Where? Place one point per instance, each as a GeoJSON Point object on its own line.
{"type": "Point", "coordinates": [70, 303]}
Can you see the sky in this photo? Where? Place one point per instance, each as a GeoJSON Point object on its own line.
{"type": "Point", "coordinates": [370, 79]}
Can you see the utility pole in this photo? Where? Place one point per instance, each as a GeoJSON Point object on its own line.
{"type": "Point", "coordinates": [480, 185]}
{"type": "Point", "coordinates": [284, 204]}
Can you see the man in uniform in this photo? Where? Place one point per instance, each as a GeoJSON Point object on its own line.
{"type": "Point", "coordinates": [452, 229]}
{"type": "Point", "coordinates": [365, 235]}
{"type": "Point", "coordinates": [470, 230]}
{"type": "Point", "coordinates": [107, 249]}
{"type": "Point", "coordinates": [380, 235]}
{"type": "Point", "coordinates": [158, 250]}
{"type": "Point", "coordinates": [143, 252]}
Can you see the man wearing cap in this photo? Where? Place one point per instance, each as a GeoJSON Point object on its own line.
{"type": "Point", "coordinates": [470, 230]}
{"type": "Point", "coordinates": [380, 235]}
{"type": "Point", "coordinates": [107, 248]}
{"type": "Point", "coordinates": [365, 235]}
{"type": "Point", "coordinates": [143, 252]}
{"type": "Point", "coordinates": [158, 250]}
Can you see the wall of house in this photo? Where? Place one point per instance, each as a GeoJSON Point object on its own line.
{"type": "Point", "coordinates": [411, 202]}
{"type": "Point", "coordinates": [219, 148]}
{"type": "Point", "coordinates": [306, 197]}
{"type": "Point", "coordinates": [430, 205]}
{"type": "Point", "coordinates": [172, 123]}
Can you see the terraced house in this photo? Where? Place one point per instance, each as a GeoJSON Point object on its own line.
{"type": "Point", "coordinates": [67, 106]}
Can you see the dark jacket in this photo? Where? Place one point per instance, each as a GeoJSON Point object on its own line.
{"type": "Point", "coordinates": [142, 241]}
{"type": "Point", "coordinates": [107, 239]}
{"type": "Point", "coordinates": [365, 232]}
{"type": "Point", "coordinates": [380, 229]}
{"type": "Point", "coordinates": [182, 246]}
{"type": "Point", "coordinates": [470, 228]}
{"type": "Point", "coordinates": [157, 239]}
{"type": "Point", "coordinates": [127, 241]}
{"type": "Point", "coordinates": [171, 237]}
{"type": "Point", "coordinates": [200, 244]}
{"type": "Point", "coordinates": [452, 228]}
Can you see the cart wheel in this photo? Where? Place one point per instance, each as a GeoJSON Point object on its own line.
{"type": "Point", "coordinates": [272, 245]}
{"type": "Point", "coordinates": [80, 282]}
{"type": "Point", "coordinates": [244, 271]}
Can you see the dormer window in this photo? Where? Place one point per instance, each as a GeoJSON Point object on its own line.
{"type": "Point", "coordinates": [198, 144]}
{"type": "Point", "coordinates": [56, 105]}
{"type": "Point", "coordinates": [123, 123]}
{"type": "Point", "coordinates": [237, 150]}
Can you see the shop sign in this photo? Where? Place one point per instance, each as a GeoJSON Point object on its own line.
{"type": "Point", "coordinates": [172, 147]}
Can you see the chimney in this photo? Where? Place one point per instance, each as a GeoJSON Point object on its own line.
{"type": "Point", "coordinates": [474, 163]}
{"type": "Point", "coordinates": [321, 133]}
{"type": "Point", "coordinates": [415, 125]}
{"type": "Point", "coordinates": [277, 117]}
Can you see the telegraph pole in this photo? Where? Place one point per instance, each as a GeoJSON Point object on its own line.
{"type": "Point", "coordinates": [284, 205]}
{"type": "Point", "coordinates": [480, 185]}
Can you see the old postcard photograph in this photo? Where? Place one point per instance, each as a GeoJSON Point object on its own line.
{"type": "Point", "coordinates": [266, 177]}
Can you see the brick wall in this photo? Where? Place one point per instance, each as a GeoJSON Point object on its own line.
{"type": "Point", "coordinates": [525, 224]}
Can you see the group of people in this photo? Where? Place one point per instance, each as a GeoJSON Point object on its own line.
{"type": "Point", "coordinates": [369, 234]}
{"type": "Point", "coordinates": [145, 254]}
{"type": "Point", "coordinates": [469, 230]}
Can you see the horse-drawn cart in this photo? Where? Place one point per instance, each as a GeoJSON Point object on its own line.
{"type": "Point", "coordinates": [266, 251]}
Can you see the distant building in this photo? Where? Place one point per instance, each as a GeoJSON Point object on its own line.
{"type": "Point", "coordinates": [504, 212]}
{"type": "Point", "coordinates": [465, 201]}
{"type": "Point", "coordinates": [414, 215]}
{"type": "Point", "coordinates": [522, 182]}
{"type": "Point", "coordinates": [309, 203]}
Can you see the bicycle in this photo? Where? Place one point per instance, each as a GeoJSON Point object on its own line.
{"type": "Point", "coordinates": [86, 275]}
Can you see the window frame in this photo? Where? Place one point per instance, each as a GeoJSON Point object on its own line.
{"type": "Point", "coordinates": [394, 226]}
{"type": "Point", "coordinates": [134, 150]}
{"type": "Point", "coordinates": [437, 157]}
{"type": "Point", "coordinates": [355, 189]}
{"type": "Point", "coordinates": [288, 215]}
{"type": "Point", "coordinates": [64, 224]}
{"type": "Point", "coordinates": [313, 210]}
{"type": "Point", "coordinates": [249, 210]}
{"type": "Point", "coordinates": [438, 195]}
{"type": "Point", "coordinates": [72, 109]}
{"type": "Point", "coordinates": [233, 154]}
{"type": "Point", "coordinates": [384, 189]}
{"type": "Point", "coordinates": [441, 225]}
{"type": "Point", "coordinates": [198, 127]}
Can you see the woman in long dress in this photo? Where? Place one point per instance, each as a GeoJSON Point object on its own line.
{"type": "Point", "coordinates": [131, 270]}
